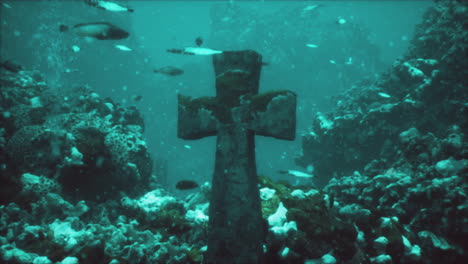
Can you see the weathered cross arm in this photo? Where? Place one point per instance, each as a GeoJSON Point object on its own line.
{"type": "Point", "coordinates": [235, 115]}
{"type": "Point", "coordinates": [271, 115]}
{"type": "Point", "coordinates": [196, 117]}
{"type": "Point", "coordinates": [274, 114]}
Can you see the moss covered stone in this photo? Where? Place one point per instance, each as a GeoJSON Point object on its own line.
{"type": "Point", "coordinates": [221, 105]}
{"type": "Point", "coordinates": [212, 104]}
{"type": "Point", "coordinates": [261, 101]}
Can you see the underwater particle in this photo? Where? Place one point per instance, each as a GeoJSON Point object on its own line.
{"type": "Point", "coordinates": [124, 88]}
{"type": "Point", "coordinates": [187, 147]}
{"type": "Point", "coordinates": [311, 46]}
{"type": "Point", "coordinates": [310, 168]}
{"type": "Point", "coordinates": [341, 21]}
{"type": "Point", "coordinates": [350, 61]}
{"type": "Point", "coordinates": [70, 70]}
{"type": "Point", "coordinates": [16, 33]}
{"type": "Point", "coordinates": [122, 48]}
{"type": "Point", "coordinates": [169, 70]}
{"type": "Point", "coordinates": [186, 185]}
{"type": "Point", "coordinates": [75, 48]}
{"type": "Point", "coordinates": [284, 155]}
{"type": "Point", "coordinates": [6, 5]}
{"type": "Point", "coordinates": [404, 38]}
{"type": "Point", "coordinates": [332, 61]}
{"type": "Point", "coordinates": [296, 173]}
{"type": "Point", "coordinates": [384, 95]}
{"type": "Point", "coordinates": [6, 114]}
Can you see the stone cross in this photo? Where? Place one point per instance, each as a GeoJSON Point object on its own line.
{"type": "Point", "coordinates": [236, 114]}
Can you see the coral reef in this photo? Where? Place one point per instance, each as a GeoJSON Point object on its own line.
{"type": "Point", "coordinates": [394, 154]}
{"type": "Point", "coordinates": [392, 160]}
{"type": "Point", "coordinates": [425, 90]}
{"type": "Point", "coordinates": [150, 229]}
{"type": "Point", "coordinates": [91, 146]}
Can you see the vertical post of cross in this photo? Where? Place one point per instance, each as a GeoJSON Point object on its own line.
{"type": "Point", "coordinates": [236, 114]}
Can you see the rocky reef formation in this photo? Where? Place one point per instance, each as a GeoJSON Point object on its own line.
{"type": "Point", "coordinates": [396, 151]}
{"type": "Point", "coordinates": [425, 90]}
{"type": "Point", "coordinates": [75, 173]}
{"type": "Point", "coordinates": [90, 145]}
{"type": "Point", "coordinates": [153, 228]}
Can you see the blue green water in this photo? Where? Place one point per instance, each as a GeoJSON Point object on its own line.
{"type": "Point", "coordinates": [374, 35]}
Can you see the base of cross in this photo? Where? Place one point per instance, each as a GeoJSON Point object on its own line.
{"type": "Point", "coordinates": [236, 114]}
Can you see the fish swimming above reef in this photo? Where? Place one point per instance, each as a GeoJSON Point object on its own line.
{"type": "Point", "coordinates": [108, 6]}
{"type": "Point", "coordinates": [97, 30]}
{"type": "Point", "coordinates": [195, 51]}
{"type": "Point", "coordinates": [123, 48]}
{"type": "Point", "coordinates": [186, 185]}
{"type": "Point", "coordinates": [169, 70]}
{"type": "Point", "coordinates": [308, 9]}
{"type": "Point", "coordinates": [296, 173]}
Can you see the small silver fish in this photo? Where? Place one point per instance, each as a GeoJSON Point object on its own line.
{"type": "Point", "coordinates": [108, 6]}
{"type": "Point", "coordinates": [296, 173]}
{"type": "Point", "coordinates": [195, 51]}
{"type": "Point", "coordinates": [123, 48]}
{"type": "Point", "coordinates": [384, 95]}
